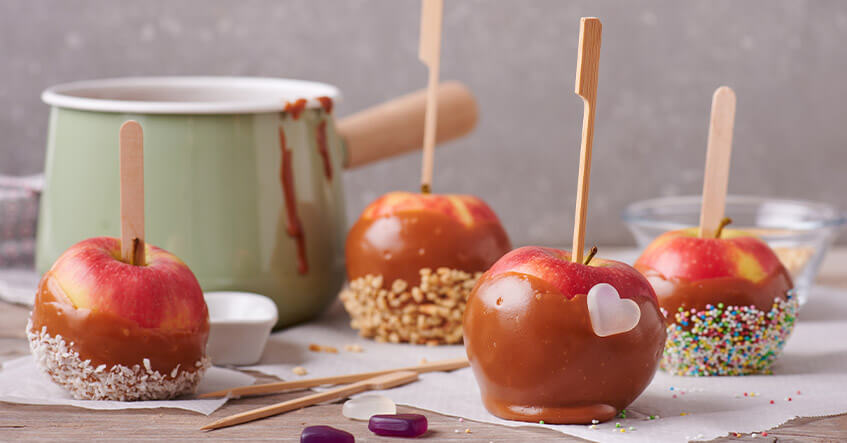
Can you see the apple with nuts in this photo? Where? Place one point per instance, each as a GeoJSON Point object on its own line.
{"type": "Point", "coordinates": [402, 232]}
{"type": "Point", "coordinates": [564, 342]}
{"type": "Point", "coordinates": [423, 252]}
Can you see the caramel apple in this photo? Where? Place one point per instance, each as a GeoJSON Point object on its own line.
{"type": "Point", "coordinates": [560, 341]}
{"type": "Point", "coordinates": [105, 329]}
{"type": "Point", "coordinates": [728, 300]}
{"type": "Point", "coordinates": [412, 260]}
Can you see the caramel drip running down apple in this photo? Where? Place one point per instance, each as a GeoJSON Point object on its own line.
{"type": "Point", "coordinates": [294, 228]}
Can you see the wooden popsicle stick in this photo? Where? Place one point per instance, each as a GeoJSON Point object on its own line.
{"type": "Point", "coordinates": [131, 141]}
{"type": "Point", "coordinates": [273, 388]}
{"type": "Point", "coordinates": [429, 52]}
{"type": "Point", "coordinates": [385, 381]}
{"type": "Point", "coordinates": [587, 69]}
{"type": "Point", "coordinates": [718, 153]}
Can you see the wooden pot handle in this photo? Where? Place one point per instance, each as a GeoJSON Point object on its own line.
{"type": "Point", "coordinates": [397, 126]}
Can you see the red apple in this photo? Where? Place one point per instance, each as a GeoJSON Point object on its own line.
{"type": "Point", "coordinates": [108, 330]}
{"type": "Point", "coordinates": [163, 294]}
{"type": "Point", "coordinates": [691, 272]}
{"type": "Point", "coordinates": [402, 232]}
{"type": "Point", "coordinates": [534, 345]}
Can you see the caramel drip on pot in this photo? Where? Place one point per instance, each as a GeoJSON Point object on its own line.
{"type": "Point", "coordinates": [320, 137]}
{"type": "Point", "coordinates": [293, 227]}
{"type": "Point", "coordinates": [326, 103]}
{"type": "Point", "coordinates": [296, 108]}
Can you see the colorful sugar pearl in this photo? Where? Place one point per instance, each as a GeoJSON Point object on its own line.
{"type": "Point", "coordinates": [325, 434]}
{"type": "Point", "coordinates": [364, 407]}
{"type": "Point", "coordinates": [398, 425]}
{"type": "Point", "coordinates": [728, 340]}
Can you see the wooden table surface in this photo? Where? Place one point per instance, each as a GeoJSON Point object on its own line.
{"type": "Point", "coordinates": [51, 423]}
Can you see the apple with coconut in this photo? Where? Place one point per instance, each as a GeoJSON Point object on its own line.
{"type": "Point", "coordinates": [417, 256]}
{"type": "Point", "coordinates": [117, 319]}
{"type": "Point", "coordinates": [563, 342]}
{"type": "Point", "coordinates": [108, 330]}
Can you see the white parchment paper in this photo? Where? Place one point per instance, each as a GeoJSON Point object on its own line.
{"type": "Point", "coordinates": [812, 372]}
{"type": "Point", "coordinates": [21, 382]}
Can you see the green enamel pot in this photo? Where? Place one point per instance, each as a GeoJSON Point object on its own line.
{"type": "Point", "coordinates": [241, 183]}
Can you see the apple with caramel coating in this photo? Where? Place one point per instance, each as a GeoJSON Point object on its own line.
{"type": "Point", "coordinates": [411, 261]}
{"type": "Point", "coordinates": [105, 329]}
{"type": "Point", "coordinates": [729, 301]}
{"type": "Point", "coordinates": [563, 342]}
{"type": "Point", "coordinates": [401, 233]}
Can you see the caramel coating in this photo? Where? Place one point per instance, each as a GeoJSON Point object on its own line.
{"type": "Point", "coordinates": [678, 293]}
{"type": "Point", "coordinates": [110, 340]}
{"type": "Point", "coordinates": [398, 246]}
{"type": "Point", "coordinates": [536, 357]}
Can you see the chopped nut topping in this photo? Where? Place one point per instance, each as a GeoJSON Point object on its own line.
{"type": "Point", "coordinates": [353, 348]}
{"type": "Point", "coordinates": [321, 348]}
{"type": "Point", "coordinates": [430, 313]}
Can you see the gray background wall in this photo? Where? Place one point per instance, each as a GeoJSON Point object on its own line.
{"type": "Point", "coordinates": [661, 61]}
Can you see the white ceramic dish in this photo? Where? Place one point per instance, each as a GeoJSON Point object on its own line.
{"type": "Point", "coordinates": [239, 326]}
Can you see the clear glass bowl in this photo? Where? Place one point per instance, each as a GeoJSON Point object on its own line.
{"type": "Point", "coordinates": [799, 232]}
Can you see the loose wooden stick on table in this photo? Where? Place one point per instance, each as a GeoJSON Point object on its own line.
{"type": "Point", "coordinates": [385, 381]}
{"type": "Point", "coordinates": [429, 52]}
{"type": "Point", "coordinates": [718, 152]}
{"type": "Point", "coordinates": [277, 387]}
{"type": "Point", "coordinates": [131, 141]}
{"type": "Point", "coordinates": [587, 68]}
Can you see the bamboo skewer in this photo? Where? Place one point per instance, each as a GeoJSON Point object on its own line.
{"type": "Point", "coordinates": [131, 141]}
{"type": "Point", "coordinates": [277, 387]}
{"type": "Point", "coordinates": [587, 68]}
{"type": "Point", "coordinates": [429, 52]}
{"type": "Point", "coordinates": [385, 381]}
{"type": "Point", "coordinates": [718, 153]}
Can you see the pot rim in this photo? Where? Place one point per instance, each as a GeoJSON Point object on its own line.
{"type": "Point", "coordinates": [187, 94]}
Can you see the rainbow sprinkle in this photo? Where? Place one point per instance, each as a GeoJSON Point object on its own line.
{"type": "Point", "coordinates": [728, 340]}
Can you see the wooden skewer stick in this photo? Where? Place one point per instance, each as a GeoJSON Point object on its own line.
{"type": "Point", "coordinates": [718, 152]}
{"type": "Point", "coordinates": [385, 381]}
{"type": "Point", "coordinates": [277, 387]}
{"type": "Point", "coordinates": [587, 68]}
{"type": "Point", "coordinates": [131, 140]}
{"type": "Point", "coordinates": [429, 52]}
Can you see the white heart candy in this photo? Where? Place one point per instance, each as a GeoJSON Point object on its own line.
{"type": "Point", "coordinates": [610, 314]}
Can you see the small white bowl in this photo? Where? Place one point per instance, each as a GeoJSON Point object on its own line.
{"type": "Point", "coordinates": [239, 326]}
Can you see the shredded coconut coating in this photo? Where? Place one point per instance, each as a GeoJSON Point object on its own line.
{"type": "Point", "coordinates": [430, 313]}
{"type": "Point", "coordinates": [728, 340]}
{"type": "Point", "coordinates": [62, 363]}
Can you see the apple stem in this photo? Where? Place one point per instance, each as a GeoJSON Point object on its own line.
{"type": "Point", "coordinates": [425, 188]}
{"type": "Point", "coordinates": [591, 255]}
{"type": "Point", "coordinates": [137, 258]}
{"type": "Point", "coordinates": [724, 221]}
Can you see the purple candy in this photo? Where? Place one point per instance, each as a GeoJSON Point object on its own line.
{"type": "Point", "coordinates": [325, 434]}
{"type": "Point", "coordinates": [398, 425]}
